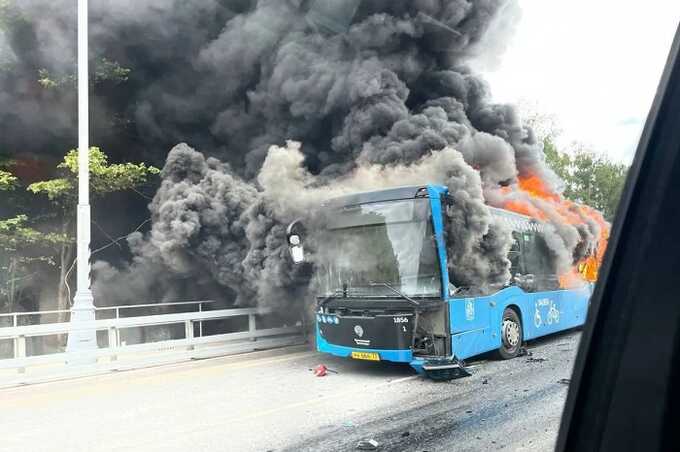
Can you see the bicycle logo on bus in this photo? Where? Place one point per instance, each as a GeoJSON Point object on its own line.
{"type": "Point", "coordinates": [550, 312]}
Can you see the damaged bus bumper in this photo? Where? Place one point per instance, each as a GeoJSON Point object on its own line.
{"type": "Point", "coordinates": [370, 354]}
{"type": "Point", "coordinates": [435, 368]}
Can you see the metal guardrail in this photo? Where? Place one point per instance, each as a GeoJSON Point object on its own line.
{"type": "Point", "coordinates": [117, 309]}
{"type": "Point", "coordinates": [279, 336]}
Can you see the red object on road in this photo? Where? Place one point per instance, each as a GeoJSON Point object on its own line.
{"type": "Point", "coordinates": [321, 370]}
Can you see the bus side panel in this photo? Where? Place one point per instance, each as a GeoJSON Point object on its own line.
{"type": "Point", "coordinates": [470, 325]}
{"type": "Point", "coordinates": [575, 306]}
{"type": "Point", "coordinates": [550, 312]}
{"type": "Point", "coordinates": [476, 322]}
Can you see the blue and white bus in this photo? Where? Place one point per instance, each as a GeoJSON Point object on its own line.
{"type": "Point", "coordinates": [384, 293]}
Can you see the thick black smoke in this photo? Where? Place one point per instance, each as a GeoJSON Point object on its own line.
{"type": "Point", "coordinates": [377, 91]}
{"type": "Point", "coordinates": [234, 77]}
{"type": "Point", "coordinates": [207, 220]}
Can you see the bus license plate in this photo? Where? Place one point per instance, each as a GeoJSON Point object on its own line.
{"type": "Point", "coordinates": [369, 356]}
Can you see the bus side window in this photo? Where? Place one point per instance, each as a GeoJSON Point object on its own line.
{"type": "Point", "coordinates": [531, 259]}
{"type": "Point", "coordinates": [515, 255]}
{"type": "Point", "coordinates": [538, 262]}
{"type": "Point", "coordinates": [549, 279]}
{"type": "Point", "coordinates": [525, 275]}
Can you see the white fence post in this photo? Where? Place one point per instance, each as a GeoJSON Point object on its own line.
{"type": "Point", "coordinates": [114, 341]}
{"type": "Point", "coordinates": [20, 350]}
{"type": "Point", "coordinates": [200, 322]}
{"type": "Point", "coordinates": [189, 333]}
{"type": "Point", "coordinates": [252, 327]}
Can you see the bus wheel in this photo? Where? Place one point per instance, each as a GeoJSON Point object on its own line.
{"type": "Point", "coordinates": [511, 334]}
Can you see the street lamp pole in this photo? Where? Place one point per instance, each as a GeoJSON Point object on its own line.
{"type": "Point", "coordinates": [83, 302]}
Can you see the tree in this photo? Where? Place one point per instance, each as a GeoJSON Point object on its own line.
{"type": "Point", "coordinates": [558, 161]}
{"type": "Point", "coordinates": [104, 177]}
{"type": "Point", "coordinates": [597, 181]}
{"type": "Point", "coordinates": [104, 70]}
{"type": "Point", "coordinates": [589, 178]}
{"type": "Point", "coordinates": [21, 248]}
{"type": "Point", "coordinates": [53, 233]}
{"type": "Point", "coordinates": [7, 180]}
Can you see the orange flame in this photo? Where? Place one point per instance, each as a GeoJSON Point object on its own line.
{"type": "Point", "coordinates": [535, 187]}
{"type": "Point", "coordinates": [567, 211]}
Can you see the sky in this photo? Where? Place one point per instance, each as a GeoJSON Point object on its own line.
{"type": "Point", "coordinates": [594, 66]}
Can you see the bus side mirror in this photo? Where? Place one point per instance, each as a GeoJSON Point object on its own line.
{"type": "Point", "coordinates": [297, 252]}
{"type": "Point", "coordinates": [294, 236]}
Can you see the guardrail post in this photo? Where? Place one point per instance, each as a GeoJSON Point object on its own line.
{"type": "Point", "coordinates": [189, 333]}
{"type": "Point", "coordinates": [114, 341]}
{"type": "Point", "coordinates": [200, 322]}
{"type": "Point", "coordinates": [252, 326]}
{"type": "Point", "coordinates": [20, 350]}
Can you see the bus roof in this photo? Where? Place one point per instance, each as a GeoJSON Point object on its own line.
{"type": "Point", "coordinates": [387, 194]}
{"type": "Point", "coordinates": [515, 221]}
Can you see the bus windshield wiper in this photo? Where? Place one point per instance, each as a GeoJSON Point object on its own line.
{"type": "Point", "coordinates": [395, 290]}
{"type": "Point", "coordinates": [336, 294]}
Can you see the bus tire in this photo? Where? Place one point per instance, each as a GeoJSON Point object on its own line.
{"type": "Point", "coordinates": [511, 334]}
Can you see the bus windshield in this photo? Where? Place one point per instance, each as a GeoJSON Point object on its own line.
{"type": "Point", "coordinates": [378, 248]}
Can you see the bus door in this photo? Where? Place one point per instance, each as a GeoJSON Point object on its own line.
{"type": "Point", "coordinates": [545, 308]}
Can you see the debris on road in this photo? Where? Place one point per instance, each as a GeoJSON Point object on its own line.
{"type": "Point", "coordinates": [485, 381]}
{"type": "Point", "coordinates": [564, 381]}
{"type": "Point", "coordinates": [368, 444]}
{"type": "Point", "coordinates": [535, 360]}
{"type": "Point", "coordinates": [322, 371]}
{"type": "Point", "coordinates": [405, 434]}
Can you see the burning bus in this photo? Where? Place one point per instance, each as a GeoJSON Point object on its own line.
{"type": "Point", "coordinates": [384, 289]}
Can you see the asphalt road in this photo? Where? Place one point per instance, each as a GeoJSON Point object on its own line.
{"type": "Point", "coordinates": [270, 401]}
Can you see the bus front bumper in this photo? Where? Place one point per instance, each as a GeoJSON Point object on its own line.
{"type": "Point", "coordinates": [397, 356]}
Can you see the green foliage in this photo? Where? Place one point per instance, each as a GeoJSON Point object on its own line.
{"type": "Point", "coordinates": [22, 247]}
{"type": "Point", "coordinates": [589, 178]}
{"type": "Point", "coordinates": [105, 177]}
{"type": "Point", "coordinates": [107, 70]}
{"type": "Point", "coordinates": [596, 181]}
{"type": "Point", "coordinates": [22, 250]}
{"type": "Point", "coordinates": [7, 180]}
{"type": "Point", "coordinates": [559, 162]}
{"type": "Point", "coordinates": [104, 70]}
{"type": "Point", "coordinates": [31, 243]}
{"type": "Point", "coordinates": [51, 81]}
{"type": "Point", "coordinates": [54, 188]}
{"type": "Point", "coordinates": [16, 234]}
